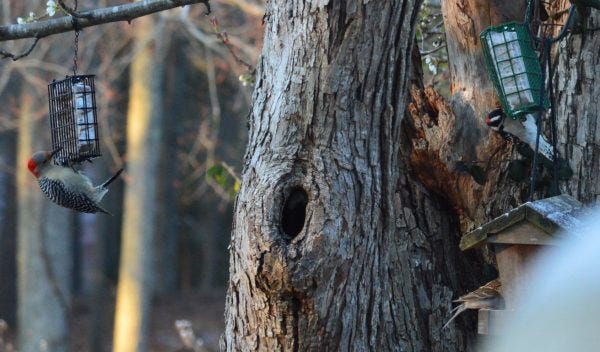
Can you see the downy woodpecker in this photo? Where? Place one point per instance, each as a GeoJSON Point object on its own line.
{"type": "Point", "coordinates": [525, 130]}
{"type": "Point", "coordinates": [67, 187]}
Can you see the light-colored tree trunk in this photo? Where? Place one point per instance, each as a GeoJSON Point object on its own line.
{"type": "Point", "coordinates": [143, 150]}
{"type": "Point", "coordinates": [44, 255]}
{"type": "Point", "coordinates": [334, 246]}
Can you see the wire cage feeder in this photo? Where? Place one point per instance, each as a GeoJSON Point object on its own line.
{"type": "Point", "coordinates": [73, 119]}
{"type": "Point", "coordinates": [514, 68]}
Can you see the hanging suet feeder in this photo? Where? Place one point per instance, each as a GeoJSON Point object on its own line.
{"type": "Point", "coordinates": [514, 68]}
{"type": "Point", "coordinates": [73, 119]}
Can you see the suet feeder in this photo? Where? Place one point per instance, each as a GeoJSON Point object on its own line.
{"type": "Point", "coordinates": [73, 119]}
{"type": "Point", "coordinates": [514, 68]}
{"type": "Point", "coordinates": [516, 237]}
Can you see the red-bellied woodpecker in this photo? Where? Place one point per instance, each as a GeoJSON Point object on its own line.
{"type": "Point", "coordinates": [67, 187]}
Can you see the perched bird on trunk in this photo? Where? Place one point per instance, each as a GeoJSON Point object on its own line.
{"type": "Point", "coordinates": [488, 296]}
{"type": "Point", "coordinates": [524, 129]}
{"type": "Point", "coordinates": [66, 186]}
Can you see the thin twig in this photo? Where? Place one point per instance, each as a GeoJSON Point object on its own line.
{"type": "Point", "coordinates": [229, 47]}
{"type": "Point", "coordinates": [431, 51]}
{"type": "Point", "coordinates": [223, 37]}
{"type": "Point", "coordinates": [7, 55]}
{"type": "Point", "coordinates": [71, 11]}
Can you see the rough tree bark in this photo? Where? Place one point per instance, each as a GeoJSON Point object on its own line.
{"type": "Point", "coordinates": [577, 82]}
{"type": "Point", "coordinates": [334, 247]}
{"type": "Point", "coordinates": [449, 137]}
{"type": "Point", "coordinates": [446, 133]}
{"type": "Point", "coordinates": [442, 132]}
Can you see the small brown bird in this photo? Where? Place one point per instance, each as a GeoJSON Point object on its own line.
{"type": "Point", "coordinates": [487, 296]}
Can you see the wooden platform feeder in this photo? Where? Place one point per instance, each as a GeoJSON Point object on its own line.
{"type": "Point", "coordinates": [516, 237]}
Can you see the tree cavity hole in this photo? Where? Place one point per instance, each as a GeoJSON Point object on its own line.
{"type": "Point", "coordinates": [294, 212]}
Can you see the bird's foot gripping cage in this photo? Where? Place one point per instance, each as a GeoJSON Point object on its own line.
{"type": "Point", "coordinates": [514, 68]}
{"type": "Point", "coordinates": [73, 119]}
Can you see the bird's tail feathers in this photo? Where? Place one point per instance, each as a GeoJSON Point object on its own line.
{"type": "Point", "coordinates": [102, 210]}
{"type": "Point", "coordinates": [457, 310]}
{"type": "Point", "coordinates": [110, 180]}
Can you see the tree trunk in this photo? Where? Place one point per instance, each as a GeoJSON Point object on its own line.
{"type": "Point", "coordinates": [132, 316]}
{"type": "Point", "coordinates": [334, 247]}
{"type": "Point", "coordinates": [44, 253]}
{"type": "Point", "coordinates": [450, 137]}
{"type": "Point", "coordinates": [8, 233]}
{"type": "Point", "coordinates": [106, 234]}
{"type": "Point", "coordinates": [452, 152]}
{"type": "Point", "coordinates": [577, 83]}
{"type": "Point", "coordinates": [443, 133]}
{"type": "Point", "coordinates": [168, 228]}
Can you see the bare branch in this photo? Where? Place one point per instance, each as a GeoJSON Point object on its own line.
{"type": "Point", "coordinates": [125, 12]}
{"type": "Point", "coordinates": [431, 51]}
{"type": "Point", "coordinates": [7, 55]}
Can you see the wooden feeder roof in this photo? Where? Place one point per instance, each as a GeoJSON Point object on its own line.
{"type": "Point", "coordinates": [534, 222]}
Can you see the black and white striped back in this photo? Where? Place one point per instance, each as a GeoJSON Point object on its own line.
{"type": "Point", "coordinates": [61, 195]}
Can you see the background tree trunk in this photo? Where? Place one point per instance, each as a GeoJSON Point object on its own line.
{"type": "Point", "coordinates": [44, 255]}
{"type": "Point", "coordinates": [334, 247]}
{"type": "Point", "coordinates": [8, 233]}
{"type": "Point", "coordinates": [99, 258]}
{"type": "Point", "coordinates": [132, 316]}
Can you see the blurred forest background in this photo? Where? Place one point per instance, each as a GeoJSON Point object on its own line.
{"type": "Point", "coordinates": [191, 66]}
{"type": "Point", "coordinates": [173, 91]}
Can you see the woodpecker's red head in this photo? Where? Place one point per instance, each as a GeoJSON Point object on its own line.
{"type": "Point", "coordinates": [38, 160]}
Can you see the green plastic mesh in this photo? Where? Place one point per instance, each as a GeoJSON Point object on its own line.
{"type": "Point", "coordinates": [513, 67]}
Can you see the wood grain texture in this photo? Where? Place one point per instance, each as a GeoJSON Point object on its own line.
{"type": "Point", "coordinates": [578, 107]}
{"type": "Point", "coordinates": [448, 136]}
{"type": "Point", "coordinates": [376, 262]}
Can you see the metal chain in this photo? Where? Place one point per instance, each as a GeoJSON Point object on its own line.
{"type": "Point", "coordinates": [75, 54]}
{"type": "Point", "coordinates": [76, 41]}
{"type": "Point", "coordinates": [539, 117]}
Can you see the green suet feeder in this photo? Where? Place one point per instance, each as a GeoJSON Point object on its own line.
{"type": "Point", "coordinates": [513, 67]}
